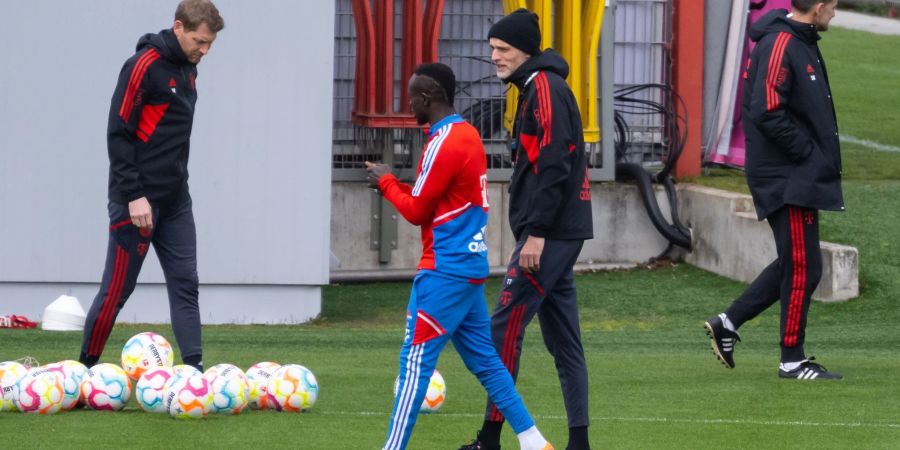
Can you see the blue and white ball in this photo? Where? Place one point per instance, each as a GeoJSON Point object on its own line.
{"type": "Point", "coordinates": [230, 388]}
{"type": "Point", "coordinates": [150, 389]}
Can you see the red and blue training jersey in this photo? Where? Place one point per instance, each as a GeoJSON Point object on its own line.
{"type": "Point", "coordinates": [449, 200]}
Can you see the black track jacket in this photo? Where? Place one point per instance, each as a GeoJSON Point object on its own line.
{"type": "Point", "coordinates": [793, 151]}
{"type": "Point", "coordinates": [150, 120]}
{"type": "Point", "coordinates": [550, 193]}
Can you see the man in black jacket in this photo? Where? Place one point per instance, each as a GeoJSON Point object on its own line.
{"type": "Point", "coordinates": [550, 217]}
{"type": "Point", "coordinates": [793, 171]}
{"type": "Point", "coordinates": [148, 141]}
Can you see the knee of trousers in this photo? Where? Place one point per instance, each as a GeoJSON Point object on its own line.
{"type": "Point", "coordinates": [186, 277]}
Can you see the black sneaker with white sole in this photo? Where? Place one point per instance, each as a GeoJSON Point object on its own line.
{"type": "Point", "coordinates": [476, 444]}
{"type": "Point", "coordinates": [722, 340]}
{"type": "Point", "coordinates": [809, 370]}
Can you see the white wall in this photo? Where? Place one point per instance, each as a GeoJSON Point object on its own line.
{"type": "Point", "coordinates": [260, 152]}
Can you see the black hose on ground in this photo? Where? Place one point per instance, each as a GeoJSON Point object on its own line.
{"type": "Point", "coordinates": [673, 233]}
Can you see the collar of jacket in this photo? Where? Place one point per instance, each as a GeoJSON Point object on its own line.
{"type": "Point", "coordinates": [175, 53]}
{"type": "Point", "coordinates": [806, 31]}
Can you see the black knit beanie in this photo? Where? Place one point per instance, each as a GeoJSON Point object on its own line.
{"type": "Point", "coordinates": [519, 29]}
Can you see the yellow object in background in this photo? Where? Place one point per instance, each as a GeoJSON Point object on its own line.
{"type": "Point", "coordinates": [576, 36]}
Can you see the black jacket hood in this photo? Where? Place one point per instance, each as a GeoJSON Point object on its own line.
{"type": "Point", "coordinates": [165, 43]}
{"type": "Point", "coordinates": [776, 21]}
{"type": "Point", "coordinates": [548, 60]}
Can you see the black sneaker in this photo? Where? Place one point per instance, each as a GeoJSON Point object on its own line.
{"type": "Point", "coordinates": [808, 370]}
{"type": "Point", "coordinates": [476, 445]}
{"type": "Point", "coordinates": [722, 340]}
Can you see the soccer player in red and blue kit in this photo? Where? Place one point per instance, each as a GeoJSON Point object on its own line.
{"type": "Point", "coordinates": [449, 201]}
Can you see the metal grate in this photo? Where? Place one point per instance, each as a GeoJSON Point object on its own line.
{"type": "Point", "coordinates": [642, 42]}
{"type": "Point", "coordinates": [641, 56]}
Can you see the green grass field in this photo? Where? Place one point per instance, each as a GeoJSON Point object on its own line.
{"type": "Point", "coordinates": [654, 381]}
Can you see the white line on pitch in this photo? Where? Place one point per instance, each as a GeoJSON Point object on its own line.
{"type": "Point", "coordinates": [870, 144]}
{"type": "Point", "coordinates": [663, 420]}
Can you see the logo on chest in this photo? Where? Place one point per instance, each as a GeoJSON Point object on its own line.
{"type": "Point", "coordinates": [172, 85]}
{"type": "Point", "coordinates": [811, 72]}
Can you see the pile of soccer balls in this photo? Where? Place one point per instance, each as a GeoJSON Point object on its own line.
{"type": "Point", "coordinates": [181, 391]}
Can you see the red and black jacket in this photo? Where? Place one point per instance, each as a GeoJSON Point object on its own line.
{"type": "Point", "coordinates": [550, 193]}
{"type": "Point", "coordinates": [793, 150]}
{"type": "Point", "coordinates": [150, 120]}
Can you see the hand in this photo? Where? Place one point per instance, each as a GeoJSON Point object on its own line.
{"type": "Point", "coordinates": [530, 255]}
{"type": "Point", "coordinates": [376, 171]}
{"type": "Point", "coordinates": [141, 213]}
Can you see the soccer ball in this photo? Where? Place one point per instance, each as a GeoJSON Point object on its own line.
{"type": "Point", "coordinates": [186, 370]}
{"type": "Point", "coordinates": [10, 374]}
{"type": "Point", "coordinates": [293, 388]}
{"type": "Point", "coordinates": [40, 392]}
{"type": "Point", "coordinates": [434, 396]}
{"type": "Point", "coordinates": [143, 351]}
{"type": "Point", "coordinates": [106, 388]}
{"type": "Point", "coordinates": [258, 376]}
{"type": "Point", "coordinates": [150, 389]}
{"type": "Point", "coordinates": [188, 396]}
{"type": "Point", "coordinates": [230, 388]}
{"type": "Point", "coordinates": [73, 374]}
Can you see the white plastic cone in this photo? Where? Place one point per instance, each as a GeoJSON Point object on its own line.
{"type": "Point", "coordinates": [64, 314]}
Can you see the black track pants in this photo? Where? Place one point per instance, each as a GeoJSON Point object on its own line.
{"type": "Point", "coordinates": [792, 278]}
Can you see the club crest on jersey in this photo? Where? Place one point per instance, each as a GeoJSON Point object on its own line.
{"type": "Point", "coordinates": [811, 72]}
{"type": "Point", "coordinates": [172, 85]}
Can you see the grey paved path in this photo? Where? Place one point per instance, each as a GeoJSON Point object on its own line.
{"type": "Point", "coordinates": [865, 22]}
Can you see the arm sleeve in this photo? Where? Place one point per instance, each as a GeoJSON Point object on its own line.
{"type": "Point", "coordinates": [124, 115]}
{"type": "Point", "coordinates": [554, 162]}
{"type": "Point", "coordinates": [772, 88]}
{"type": "Point", "coordinates": [417, 203]}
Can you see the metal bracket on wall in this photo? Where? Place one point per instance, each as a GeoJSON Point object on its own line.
{"type": "Point", "coordinates": [383, 218]}
{"type": "Point", "coordinates": [383, 236]}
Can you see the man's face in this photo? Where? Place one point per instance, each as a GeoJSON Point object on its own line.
{"type": "Point", "coordinates": [824, 14]}
{"type": "Point", "coordinates": [196, 43]}
{"type": "Point", "coordinates": [506, 57]}
{"type": "Point", "coordinates": [417, 99]}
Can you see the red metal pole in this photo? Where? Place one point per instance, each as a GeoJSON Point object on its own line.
{"type": "Point", "coordinates": [687, 74]}
{"type": "Point", "coordinates": [412, 46]}
{"type": "Point", "coordinates": [364, 87]}
{"type": "Point", "coordinates": [434, 11]}
{"type": "Point", "coordinates": [384, 57]}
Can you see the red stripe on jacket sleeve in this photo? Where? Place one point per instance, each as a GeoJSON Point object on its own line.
{"type": "Point", "coordinates": [545, 106]}
{"type": "Point", "coordinates": [134, 82]}
{"type": "Point", "coordinates": [775, 60]}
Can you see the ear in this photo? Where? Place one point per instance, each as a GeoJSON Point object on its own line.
{"type": "Point", "coordinates": [178, 27]}
{"type": "Point", "coordinates": [818, 8]}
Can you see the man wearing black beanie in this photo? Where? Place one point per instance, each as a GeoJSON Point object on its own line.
{"type": "Point", "coordinates": [550, 217]}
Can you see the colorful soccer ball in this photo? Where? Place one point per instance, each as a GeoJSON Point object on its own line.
{"type": "Point", "coordinates": [150, 389]}
{"type": "Point", "coordinates": [10, 374]}
{"type": "Point", "coordinates": [106, 388]}
{"type": "Point", "coordinates": [40, 392]}
{"type": "Point", "coordinates": [73, 374]}
{"type": "Point", "coordinates": [293, 388]}
{"type": "Point", "coordinates": [186, 370]}
{"type": "Point", "coordinates": [434, 396]}
{"type": "Point", "coordinates": [230, 388]}
{"type": "Point", "coordinates": [143, 351]}
{"type": "Point", "coordinates": [188, 396]}
{"type": "Point", "coordinates": [258, 376]}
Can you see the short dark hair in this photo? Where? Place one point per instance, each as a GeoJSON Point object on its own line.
{"type": "Point", "coordinates": [443, 75]}
{"type": "Point", "coordinates": [192, 13]}
{"type": "Point", "coordinates": [806, 6]}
